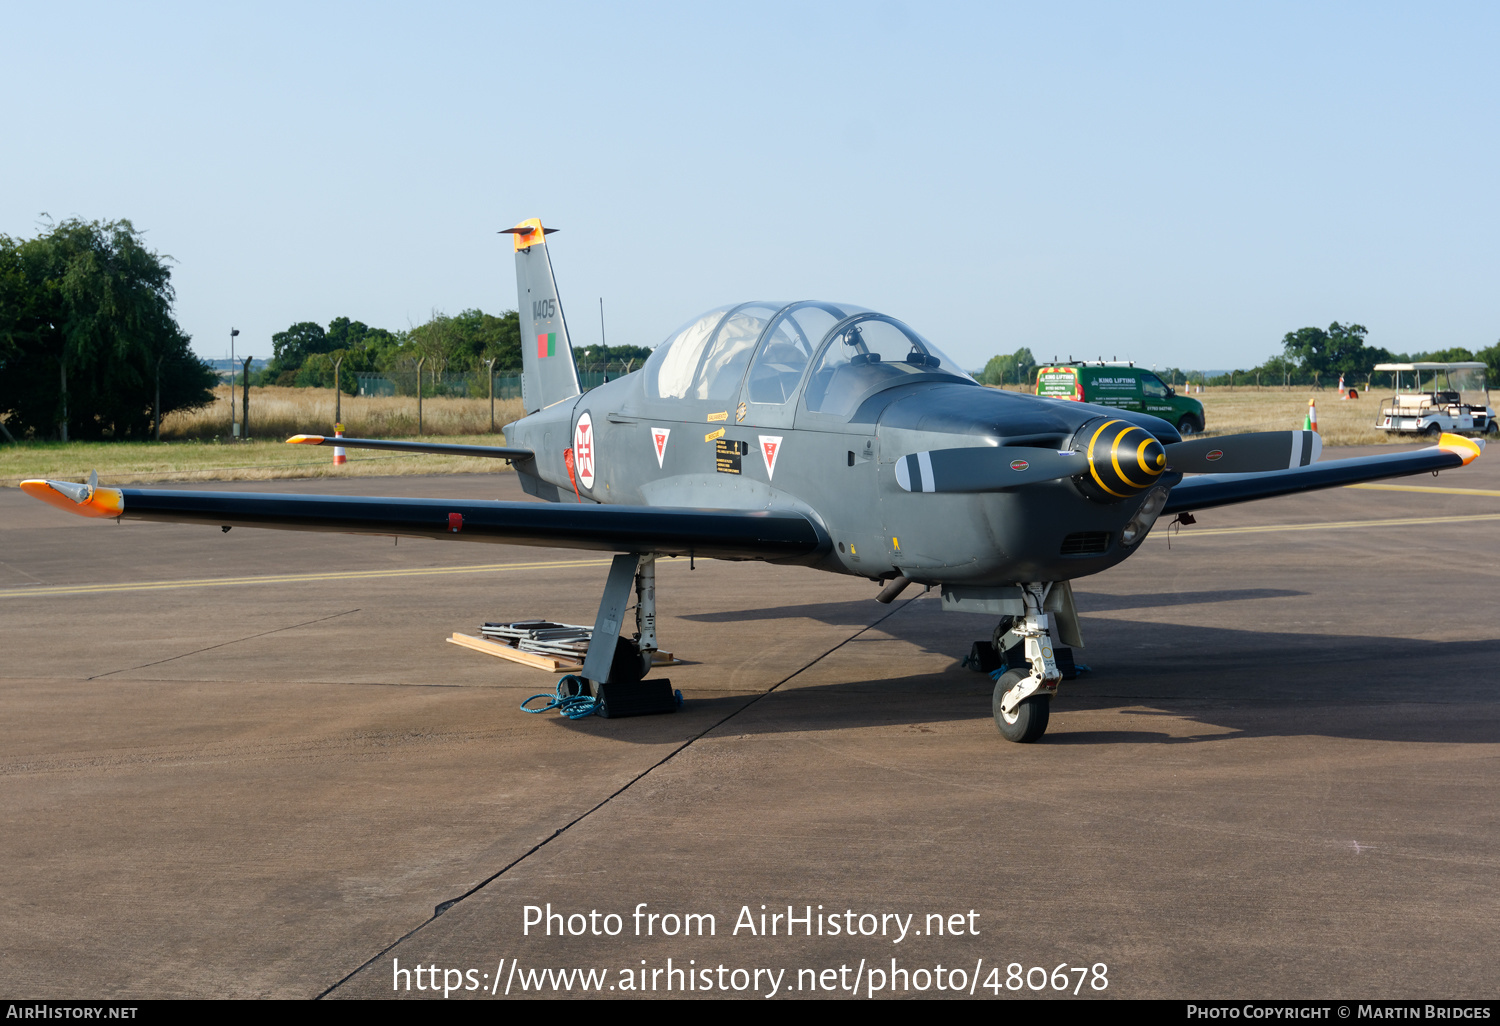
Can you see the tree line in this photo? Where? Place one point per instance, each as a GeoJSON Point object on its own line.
{"type": "Point", "coordinates": [1320, 357]}
{"type": "Point", "coordinates": [1309, 356]}
{"type": "Point", "coordinates": [472, 343]}
{"type": "Point", "coordinates": [89, 346]}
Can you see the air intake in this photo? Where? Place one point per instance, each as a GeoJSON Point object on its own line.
{"type": "Point", "coordinates": [1086, 543]}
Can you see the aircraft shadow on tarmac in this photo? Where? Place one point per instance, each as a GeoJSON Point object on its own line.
{"type": "Point", "coordinates": [1240, 683]}
{"type": "Point", "coordinates": [858, 611]}
{"type": "Point", "coordinates": [1089, 602]}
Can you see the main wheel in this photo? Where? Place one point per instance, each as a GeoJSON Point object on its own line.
{"type": "Point", "coordinates": [1029, 721]}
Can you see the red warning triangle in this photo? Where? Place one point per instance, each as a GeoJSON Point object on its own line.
{"type": "Point", "coordinates": [770, 448]}
{"type": "Point", "coordinates": [659, 442]}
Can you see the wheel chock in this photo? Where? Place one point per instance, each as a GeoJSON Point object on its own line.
{"type": "Point", "coordinates": [983, 657]}
{"type": "Point", "coordinates": [641, 698]}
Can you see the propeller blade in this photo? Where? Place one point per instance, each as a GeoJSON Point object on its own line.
{"type": "Point", "coordinates": [1253, 453]}
{"type": "Point", "coordinates": [985, 468]}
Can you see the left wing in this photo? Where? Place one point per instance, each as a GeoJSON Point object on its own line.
{"type": "Point", "coordinates": [1208, 491]}
{"type": "Point", "coordinates": [774, 535]}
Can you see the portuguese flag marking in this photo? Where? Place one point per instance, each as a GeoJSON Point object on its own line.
{"type": "Point", "coordinates": [546, 343]}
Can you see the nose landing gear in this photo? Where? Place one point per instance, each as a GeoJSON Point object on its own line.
{"type": "Point", "coordinates": [1022, 702]}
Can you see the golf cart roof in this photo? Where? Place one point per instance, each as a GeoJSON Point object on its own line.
{"type": "Point", "coordinates": [1462, 365]}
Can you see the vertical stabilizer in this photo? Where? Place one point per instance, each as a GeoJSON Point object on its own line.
{"type": "Point", "coordinates": [548, 372]}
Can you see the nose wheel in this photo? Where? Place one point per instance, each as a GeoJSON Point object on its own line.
{"type": "Point", "coordinates": [1023, 700]}
{"type": "Point", "coordinates": [1028, 720]}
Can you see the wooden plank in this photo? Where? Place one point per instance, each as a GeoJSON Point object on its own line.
{"type": "Point", "coordinates": [538, 660]}
{"type": "Point", "coordinates": [515, 655]}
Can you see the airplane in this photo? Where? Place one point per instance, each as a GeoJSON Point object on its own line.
{"type": "Point", "coordinates": [818, 434]}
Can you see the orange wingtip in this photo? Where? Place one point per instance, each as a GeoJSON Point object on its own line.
{"type": "Point", "coordinates": [305, 440]}
{"type": "Point", "coordinates": [105, 502]}
{"type": "Point", "coordinates": [1468, 449]}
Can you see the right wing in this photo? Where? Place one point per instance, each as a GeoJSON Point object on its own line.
{"type": "Point", "coordinates": [773, 535]}
{"type": "Point", "coordinates": [1212, 490]}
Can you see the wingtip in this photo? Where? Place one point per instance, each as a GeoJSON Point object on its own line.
{"type": "Point", "coordinates": [1467, 449]}
{"type": "Point", "coordinates": [84, 500]}
{"type": "Point", "coordinates": [305, 440]}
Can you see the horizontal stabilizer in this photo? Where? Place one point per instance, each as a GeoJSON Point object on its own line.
{"type": "Point", "coordinates": [498, 452]}
{"type": "Point", "coordinates": [985, 468]}
{"type": "Point", "coordinates": [1253, 453]}
{"type": "Point", "coordinates": [1209, 491]}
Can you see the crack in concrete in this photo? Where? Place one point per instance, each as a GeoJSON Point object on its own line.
{"type": "Point", "coordinates": [443, 907]}
{"type": "Point", "coordinates": [222, 644]}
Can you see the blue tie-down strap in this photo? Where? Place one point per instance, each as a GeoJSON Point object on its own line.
{"type": "Point", "coordinates": [572, 699]}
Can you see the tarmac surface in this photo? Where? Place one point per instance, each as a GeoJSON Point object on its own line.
{"type": "Point", "coordinates": [247, 764]}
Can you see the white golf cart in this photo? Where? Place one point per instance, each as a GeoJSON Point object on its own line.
{"type": "Point", "coordinates": [1437, 397]}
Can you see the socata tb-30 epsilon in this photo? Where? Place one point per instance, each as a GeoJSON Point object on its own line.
{"type": "Point", "coordinates": [812, 433]}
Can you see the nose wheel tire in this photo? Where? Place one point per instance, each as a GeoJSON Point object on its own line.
{"type": "Point", "coordinates": [1029, 721]}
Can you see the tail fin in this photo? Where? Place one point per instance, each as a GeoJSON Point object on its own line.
{"type": "Point", "coordinates": [548, 373]}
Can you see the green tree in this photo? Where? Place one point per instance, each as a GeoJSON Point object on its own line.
{"type": "Point", "coordinates": [1322, 355]}
{"type": "Point", "coordinates": [87, 332]}
{"type": "Point", "coordinates": [1010, 369]}
{"type": "Point", "coordinates": [1455, 354]}
{"type": "Point", "coordinates": [486, 336]}
{"type": "Point", "coordinates": [1491, 358]}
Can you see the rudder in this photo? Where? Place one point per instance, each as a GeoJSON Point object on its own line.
{"type": "Point", "coordinates": [548, 374]}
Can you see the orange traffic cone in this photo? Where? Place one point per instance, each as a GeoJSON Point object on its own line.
{"type": "Point", "coordinates": [338, 450]}
{"type": "Point", "coordinates": [1310, 422]}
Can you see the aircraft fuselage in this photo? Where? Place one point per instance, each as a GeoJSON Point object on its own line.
{"type": "Point", "coordinates": [633, 449]}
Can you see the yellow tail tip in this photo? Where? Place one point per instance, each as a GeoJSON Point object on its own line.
{"type": "Point", "coordinates": [528, 233]}
{"type": "Point", "coordinates": [305, 440]}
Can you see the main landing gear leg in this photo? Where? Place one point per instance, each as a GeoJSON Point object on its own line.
{"type": "Point", "coordinates": [615, 665]}
{"type": "Point", "coordinates": [612, 658]}
{"type": "Point", "coordinates": [1022, 701]}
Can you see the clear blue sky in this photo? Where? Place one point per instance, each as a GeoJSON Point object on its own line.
{"type": "Point", "coordinates": [1176, 183]}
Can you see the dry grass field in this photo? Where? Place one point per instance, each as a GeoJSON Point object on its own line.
{"type": "Point", "coordinates": [194, 446]}
{"type": "Point", "coordinates": [279, 413]}
{"type": "Point", "coordinates": [1341, 422]}
{"type": "Point", "coordinates": [1228, 411]}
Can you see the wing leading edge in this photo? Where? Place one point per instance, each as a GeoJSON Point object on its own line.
{"type": "Point", "coordinates": [772, 535]}
{"type": "Point", "coordinates": [1206, 492]}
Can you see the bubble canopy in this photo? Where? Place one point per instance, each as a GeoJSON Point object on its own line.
{"type": "Point", "coordinates": [767, 348]}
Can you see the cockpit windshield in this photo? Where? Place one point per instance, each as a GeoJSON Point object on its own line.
{"type": "Point", "coordinates": [867, 354]}
{"type": "Point", "coordinates": [707, 357]}
{"type": "Point", "coordinates": [790, 343]}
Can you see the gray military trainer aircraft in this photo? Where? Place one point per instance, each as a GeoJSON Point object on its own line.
{"type": "Point", "coordinates": [820, 434]}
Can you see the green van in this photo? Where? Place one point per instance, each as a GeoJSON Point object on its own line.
{"type": "Point", "coordinates": [1124, 386]}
